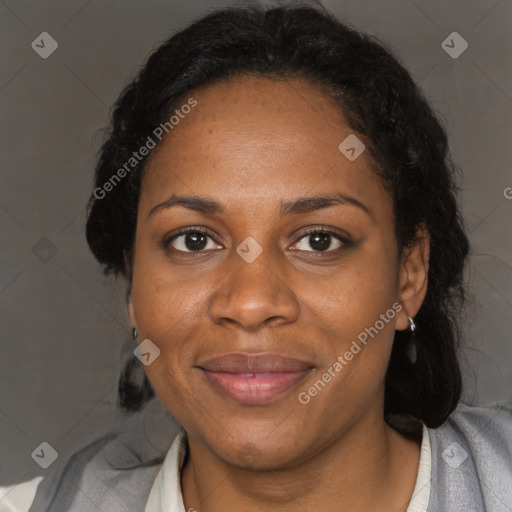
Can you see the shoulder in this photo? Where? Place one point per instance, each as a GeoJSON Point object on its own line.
{"type": "Point", "coordinates": [472, 459]}
{"type": "Point", "coordinates": [487, 430]}
{"type": "Point", "coordinates": [499, 413]}
{"type": "Point", "coordinates": [115, 472]}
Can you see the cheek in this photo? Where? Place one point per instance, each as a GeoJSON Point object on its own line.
{"type": "Point", "coordinates": [355, 294]}
{"type": "Point", "coordinates": [164, 312]}
{"type": "Point", "coordinates": [354, 315]}
{"type": "Point", "coordinates": [354, 318]}
{"type": "Point", "coordinates": [163, 298]}
{"type": "Point", "coordinates": [167, 314]}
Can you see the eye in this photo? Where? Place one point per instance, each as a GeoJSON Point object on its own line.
{"type": "Point", "coordinates": [193, 239]}
{"type": "Point", "coordinates": [321, 240]}
{"type": "Point", "coordinates": [196, 239]}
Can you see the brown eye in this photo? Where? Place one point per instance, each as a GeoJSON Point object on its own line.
{"type": "Point", "coordinates": [192, 240]}
{"type": "Point", "coordinates": [320, 240]}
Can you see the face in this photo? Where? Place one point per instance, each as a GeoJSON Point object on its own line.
{"type": "Point", "coordinates": [251, 311]}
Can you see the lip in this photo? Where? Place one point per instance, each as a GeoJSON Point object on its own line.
{"type": "Point", "coordinates": [253, 379]}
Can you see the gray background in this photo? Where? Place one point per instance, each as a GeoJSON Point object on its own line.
{"type": "Point", "coordinates": [63, 325]}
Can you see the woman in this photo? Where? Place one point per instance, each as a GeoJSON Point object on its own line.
{"type": "Point", "coordinates": [279, 196]}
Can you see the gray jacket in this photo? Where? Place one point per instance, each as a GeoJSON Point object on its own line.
{"type": "Point", "coordinates": [471, 464]}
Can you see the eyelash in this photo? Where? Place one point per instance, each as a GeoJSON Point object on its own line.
{"type": "Point", "coordinates": [184, 231]}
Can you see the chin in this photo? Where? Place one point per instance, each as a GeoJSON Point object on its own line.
{"type": "Point", "coordinates": [257, 447]}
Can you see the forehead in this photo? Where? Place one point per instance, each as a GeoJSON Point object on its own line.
{"type": "Point", "coordinates": [253, 136]}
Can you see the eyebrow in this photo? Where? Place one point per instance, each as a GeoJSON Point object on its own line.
{"type": "Point", "coordinates": [301, 205]}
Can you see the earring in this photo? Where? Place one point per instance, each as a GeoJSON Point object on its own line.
{"type": "Point", "coordinates": [135, 334]}
{"type": "Point", "coordinates": [412, 351]}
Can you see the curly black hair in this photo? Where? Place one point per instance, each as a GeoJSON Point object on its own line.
{"type": "Point", "coordinates": [381, 103]}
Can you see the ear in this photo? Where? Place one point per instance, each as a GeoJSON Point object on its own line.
{"type": "Point", "coordinates": [131, 310]}
{"type": "Point", "coordinates": [128, 265]}
{"type": "Point", "coordinates": [413, 277]}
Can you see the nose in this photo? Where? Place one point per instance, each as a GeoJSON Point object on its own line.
{"type": "Point", "coordinates": [254, 295]}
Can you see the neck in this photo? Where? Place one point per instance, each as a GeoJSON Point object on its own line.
{"type": "Point", "coordinates": [369, 467]}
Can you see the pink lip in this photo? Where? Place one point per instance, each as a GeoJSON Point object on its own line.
{"type": "Point", "coordinates": [251, 388]}
{"type": "Point", "coordinates": [254, 378]}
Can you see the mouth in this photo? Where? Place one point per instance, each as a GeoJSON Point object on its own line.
{"type": "Point", "coordinates": [252, 379]}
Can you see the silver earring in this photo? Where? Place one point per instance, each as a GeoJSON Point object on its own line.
{"type": "Point", "coordinates": [412, 351]}
{"type": "Point", "coordinates": [135, 334]}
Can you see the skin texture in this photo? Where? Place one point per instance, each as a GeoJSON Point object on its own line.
{"type": "Point", "coordinates": [252, 144]}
